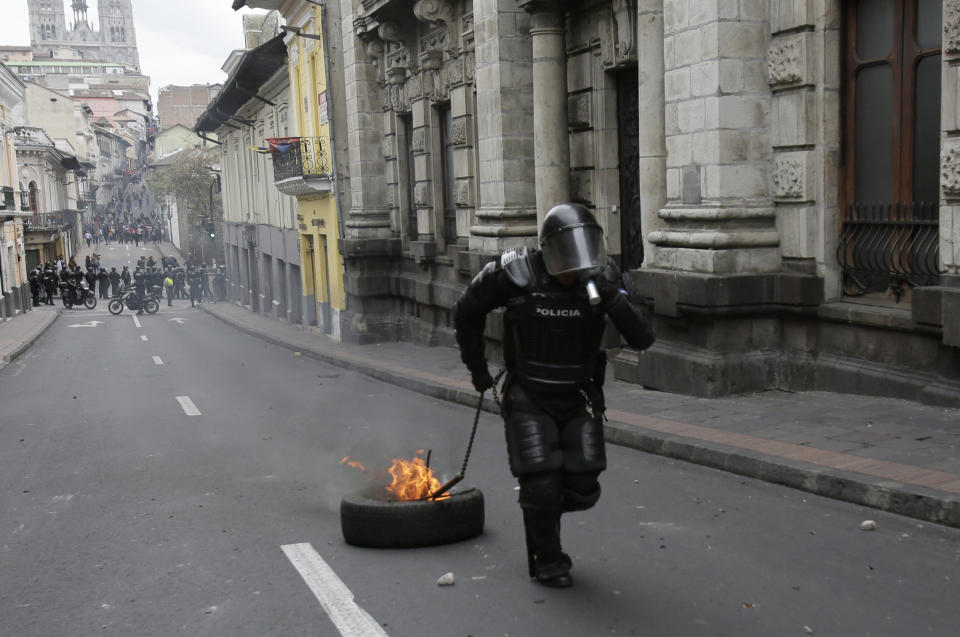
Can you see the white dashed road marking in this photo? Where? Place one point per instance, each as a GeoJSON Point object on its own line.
{"type": "Point", "coordinates": [136, 321]}
{"type": "Point", "coordinates": [157, 361]}
{"type": "Point", "coordinates": [143, 337]}
{"type": "Point", "coordinates": [188, 407]}
{"type": "Point", "coordinates": [332, 593]}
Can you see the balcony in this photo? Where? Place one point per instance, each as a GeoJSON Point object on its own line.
{"type": "Point", "coordinates": [7, 201]}
{"type": "Point", "coordinates": [301, 165]}
{"type": "Point", "coordinates": [49, 221]}
{"type": "Point", "coordinates": [8, 204]}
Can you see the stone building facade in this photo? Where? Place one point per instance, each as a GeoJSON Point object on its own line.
{"type": "Point", "coordinates": [781, 186]}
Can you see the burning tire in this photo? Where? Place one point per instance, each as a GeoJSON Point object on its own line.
{"type": "Point", "coordinates": [368, 518]}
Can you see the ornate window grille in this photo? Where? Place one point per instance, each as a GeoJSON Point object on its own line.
{"type": "Point", "coordinates": [890, 246]}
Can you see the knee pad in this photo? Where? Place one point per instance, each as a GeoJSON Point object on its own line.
{"type": "Point", "coordinates": [582, 443]}
{"type": "Point", "coordinates": [533, 443]}
{"type": "Point", "coordinates": [580, 491]}
{"type": "Point", "coordinates": [541, 492]}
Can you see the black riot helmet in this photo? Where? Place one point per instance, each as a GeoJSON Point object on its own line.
{"type": "Point", "coordinates": [571, 240]}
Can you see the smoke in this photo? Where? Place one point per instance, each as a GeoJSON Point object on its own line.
{"type": "Point", "coordinates": [371, 428]}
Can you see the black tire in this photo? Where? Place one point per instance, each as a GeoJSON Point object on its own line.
{"type": "Point", "coordinates": [368, 519]}
{"type": "Point", "coordinates": [90, 302]}
{"type": "Point", "coordinates": [151, 306]}
{"type": "Point", "coordinates": [115, 307]}
{"type": "Point", "coordinates": [66, 301]}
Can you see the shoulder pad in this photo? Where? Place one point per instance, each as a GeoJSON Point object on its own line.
{"type": "Point", "coordinates": [518, 267]}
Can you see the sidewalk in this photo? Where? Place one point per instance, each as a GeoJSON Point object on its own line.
{"type": "Point", "coordinates": [889, 454]}
{"type": "Point", "coordinates": [20, 332]}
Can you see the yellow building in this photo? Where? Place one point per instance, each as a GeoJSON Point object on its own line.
{"type": "Point", "coordinates": [14, 293]}
{"type": "Point", "coordinates": [306, 167]}
{"type": "Point", "coordinates": [315, 185]}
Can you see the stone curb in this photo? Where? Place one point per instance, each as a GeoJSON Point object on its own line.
{"type": "Point", "coordinates": [857, 488]}
{"type": "Point", "coordinates": [886, 495]}
{"type": "Point", "coordinates": [39, 331]}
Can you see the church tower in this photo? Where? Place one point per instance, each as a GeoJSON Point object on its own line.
{"type": "Point", "coordinates": [117, 35]}
{"type": "Point", "coordinates": [48, 25]}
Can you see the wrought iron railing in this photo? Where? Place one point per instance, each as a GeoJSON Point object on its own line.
{"type": "Point", "coordinates": [7, 201]}
{"type": "Point", "coordinates": [304, 157]}
{"type": "Point", "coordinates": [889, 246]}
{"type": "Point", "coordinates": [50, 220]}
{"type": "Point", "coordinates": [43, 221]}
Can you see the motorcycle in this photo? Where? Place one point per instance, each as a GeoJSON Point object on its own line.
{"type": "Point", "coordinates": [77, 294]}
{"type": "Point", "coordinates": [127, 297]}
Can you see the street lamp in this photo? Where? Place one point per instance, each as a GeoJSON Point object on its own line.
{"type": "Point", "coordinates": [215, 182]}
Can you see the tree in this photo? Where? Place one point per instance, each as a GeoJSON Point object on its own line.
{"type": "Point", "coordinates": [186, 176]}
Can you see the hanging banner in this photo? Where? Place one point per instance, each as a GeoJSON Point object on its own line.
{"type": "Point", "coordinates": [281, 144]}
{"type": "Point", "coordinates": [322, 107]}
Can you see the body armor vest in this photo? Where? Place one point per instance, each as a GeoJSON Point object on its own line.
{"type": "Point", "coordinates": [553, 339]}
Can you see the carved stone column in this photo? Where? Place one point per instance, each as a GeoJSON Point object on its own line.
{"type": "Point", "coordinates": [950, 176]}
{"type": "Point", "coordinates": [507, 215]}
{"type": "Point", "coordinates": [652, 148]}
{"type": "Point", "coordinates": [368, 216]}
{"type": "Point", "coordinates": [950, 148]}
{"type": "Point", "coordinates": [551, 139]}
{"type": "Point", "coordinates": [719, 217]}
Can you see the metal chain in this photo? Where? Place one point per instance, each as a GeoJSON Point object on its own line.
{"type": "Point", "coordinates": [476, 420]}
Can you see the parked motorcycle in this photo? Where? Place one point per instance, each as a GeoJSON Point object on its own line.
{"type": "Point", "coordinates": [77, 294]}
{"type": "Point", "coordinates": [127, 297]}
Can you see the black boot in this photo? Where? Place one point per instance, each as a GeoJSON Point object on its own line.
{"type": "Point", "coordinates": [545, 560]}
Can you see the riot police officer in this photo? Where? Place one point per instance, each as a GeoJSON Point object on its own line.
{"type": "Point", "coordinates": [91, 278]}
{"type": "Point", "coordinates": [195, 277]}
{"type": "Point", "coordinates": [34, 280]}
{"type": "Point", "coordinates": [50, 283]}
{"type": "Point", "coordinates": [114, 281]}
{"type": "Point", "coordinates": [179, 280]}
{"type": "Point", "coordinates": [103, 283]}
{"type": "Point", "coordinates": [140, 288]}
{"type": "Point", "coordinates": [557, 299]}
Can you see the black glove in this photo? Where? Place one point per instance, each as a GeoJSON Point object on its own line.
{"type": "Point", "coordinates": [481, 379]}
{"type": "Point", "coordinates": [609, 284]}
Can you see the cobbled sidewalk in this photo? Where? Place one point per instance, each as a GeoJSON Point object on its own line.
{"type": "Point", "coordinates": [890, 454]}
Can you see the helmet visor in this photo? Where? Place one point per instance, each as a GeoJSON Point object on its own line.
{"type": "Point", "coordinates": [573, 249]}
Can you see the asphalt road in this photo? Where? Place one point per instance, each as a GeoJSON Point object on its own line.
{"type": "Point", "coordinates": [120, 514]}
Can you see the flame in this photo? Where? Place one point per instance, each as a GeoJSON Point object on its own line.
{"type": "Point", "coordinates": [412, 479]}
{"type": "Point", "coordinates": [352, 463]}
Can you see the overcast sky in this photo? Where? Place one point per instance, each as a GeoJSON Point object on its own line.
{"type": "Point", "coordinates": [180, 41]}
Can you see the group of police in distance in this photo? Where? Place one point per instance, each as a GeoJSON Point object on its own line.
{"type": "Point", "coordinates": [557, 299]}
{"type": "Point", "coordinates": [148, 277]}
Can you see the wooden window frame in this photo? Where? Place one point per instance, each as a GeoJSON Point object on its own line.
{"type": "Point", "coordinates": [904, 57]}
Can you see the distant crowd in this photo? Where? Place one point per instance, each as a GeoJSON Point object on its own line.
{"type": "Point", "coordinates": [57, 278]}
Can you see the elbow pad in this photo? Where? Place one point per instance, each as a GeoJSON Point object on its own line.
{"type": "Point", "coordinates": [631, 321]}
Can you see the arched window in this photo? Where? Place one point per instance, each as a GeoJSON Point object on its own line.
{"type": "Point", "coordinates": [33, 196]}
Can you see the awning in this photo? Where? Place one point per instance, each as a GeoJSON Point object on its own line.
{"type": "Point", "coordinates": [256, 67]}
{"type": "Point", "coordinates": [70, 163]}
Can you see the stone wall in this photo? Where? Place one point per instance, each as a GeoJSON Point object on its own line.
{"type": "Point", "coordinates": [737, 161]}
